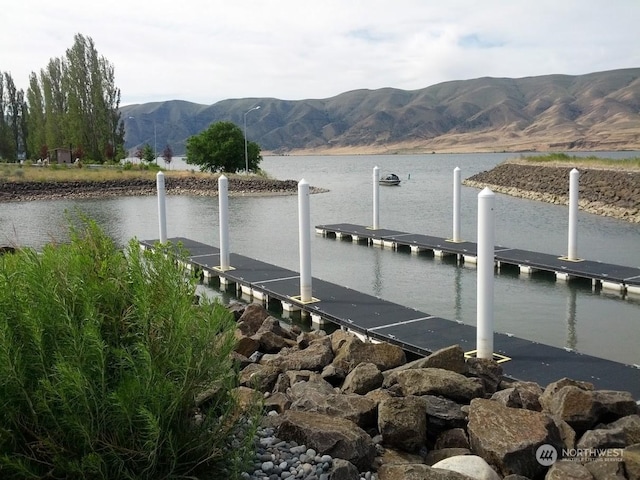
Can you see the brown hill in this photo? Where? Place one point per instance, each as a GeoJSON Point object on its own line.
{"type": "Point", "coordinates": [597, 111]}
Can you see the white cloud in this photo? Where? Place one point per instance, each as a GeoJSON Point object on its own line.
{"type": "Point", "coordinates": [209, 50]}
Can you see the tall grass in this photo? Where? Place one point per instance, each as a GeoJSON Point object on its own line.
{"type": "Point", "coordinates": [592, 160]}
{"type": "Point", "coordinates": [102, 356]}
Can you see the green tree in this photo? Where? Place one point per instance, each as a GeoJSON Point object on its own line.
{"type": "Point", "coordinates": [74, 101]}
{"type": "Point", "coordinates": [148, 154]}
{"type": "Point", "coordinates": [93, 100]}
{"type": "Point", "coordinates": [220, 148]}
{"type": "Point", "coordinates": [13, 113]}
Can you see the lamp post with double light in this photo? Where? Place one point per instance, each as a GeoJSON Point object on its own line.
{"type": "Point", "coordinates": [246, 154]}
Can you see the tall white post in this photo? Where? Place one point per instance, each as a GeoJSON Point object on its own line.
{"type": "Point", "coordinates": [304, 226]}
{"type": "Point", "coordinates": [572, 253]}
{"type": "Point", "coordinates": [223, 207]}
{"type": "Point", "coordinates": [162, 208]}
{"type": "Point", "coordinates": [376, 198]}
{"type": "Point", "coordinates": [456, 204]}
{"type": "Point", "coordinates": [486, 241]}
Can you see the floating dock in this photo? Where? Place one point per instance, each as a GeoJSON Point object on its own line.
{"type": "Point", "coordinates": [608, 276]}
{"type": "Point", "coordinates": [417, 332]}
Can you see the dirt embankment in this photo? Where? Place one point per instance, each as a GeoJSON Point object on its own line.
{"type": "Point", "coordinates": [25, 191]}
{"type": "Point", "coordinates": [613, 193]}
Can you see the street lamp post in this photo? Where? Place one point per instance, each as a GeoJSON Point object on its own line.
{"type": "Point", "coordinates": [155, 142]}
{"type": "Point", "coordinates": [246, 155]}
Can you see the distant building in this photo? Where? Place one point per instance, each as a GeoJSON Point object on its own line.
{"type": "Point", "coordinates": [60, 155]}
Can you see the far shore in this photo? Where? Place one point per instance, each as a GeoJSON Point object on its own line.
{"type": "Point", "coordinates": [37, 183]}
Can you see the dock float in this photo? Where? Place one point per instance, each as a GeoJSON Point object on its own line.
{"type": "Point", "coordinates": [608, 276]}
{"type": "Point", "coordinates": [376, 319]}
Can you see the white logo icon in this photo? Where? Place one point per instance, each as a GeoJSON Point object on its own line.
{"type": "Point", "coordinates": [546, 454]}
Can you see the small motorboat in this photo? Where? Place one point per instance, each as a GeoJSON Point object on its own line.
{"type": "Point", "coordinates": [391, 179]}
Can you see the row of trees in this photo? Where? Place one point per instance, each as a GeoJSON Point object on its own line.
{"type": "Point", "coordinates": [71, 103]}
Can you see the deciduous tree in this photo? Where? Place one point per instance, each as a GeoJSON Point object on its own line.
{"type": "Point", "coordinates": [167, 154]}
{"type": "Point", "coordinates": [74, 101]}
{"type": "Point", "coordinates": [220, 148]}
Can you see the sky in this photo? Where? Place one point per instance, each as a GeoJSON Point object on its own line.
{"type": "Point", "coordinates": [204, 51]}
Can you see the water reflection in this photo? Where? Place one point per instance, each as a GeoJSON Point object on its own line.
{"type": "Point", "coordinates": [457, 283]}
{"type": "Point", "coordinates": [376, 279]}
{"type": "Point", "coordinates": [572, 335]}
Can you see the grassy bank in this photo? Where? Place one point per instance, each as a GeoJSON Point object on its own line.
{"type": "Point", "coordinates": [592, 161]}
{"type": "Point", "coordinates": [11, 172]}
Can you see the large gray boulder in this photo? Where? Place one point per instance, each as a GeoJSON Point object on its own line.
{"type": "Point", "coordinates": [568, 470]}
{"type": "Point", "coordinates": [607, 470]}
{"type": "Point", "coordinates": [362, 379]}
{"type": "Point", "coordinates": [443, 414]}
{"type": "Point", "coordinates": [452, 438]}
{"type": "Point", "coordinates": [507, 438]}
{"type": "Point", "coordinates": [402, 422]}
{"type": "Point", "coordinates": [272, 337]}
{"type": "Point", "coordinates": [315, 357]}
{"type": "Point", "coordinates": [329, 435]}
{"type": "Point", "coordinates": [487, 370]}
{"type": "Point", "coordinates": [520, 395]}
{"type": "Point", "coordinates": [259, 377]}
{"type": "Point", "coordinates": [437, 381]}
{"type": "Point", "coordinates": [251, 319]}
{"type": "Point", "coordinates": [631, 456]}
{"type": "Point", "coordinates": [344, 470]}
{"type": "Point", "coordinates": [448, 358]}
{"type": "Point", "coordinates": [354, 351]}
{"type": "Point", "coordinates": [414, 471]}
{"type": "Point", "coordinates": [624, 431]}
{"type": "Point", "coordinates": [359, 409]}
{"type": "Point", "coordinates": [311, 391]}
{"type": "Point", "coordinates": [583, 409]}
{"type": "Point", "coordinates": [471, 465]}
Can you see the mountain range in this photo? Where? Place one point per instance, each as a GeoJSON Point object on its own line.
{"type": "Point", "coordinates": [596, 111]}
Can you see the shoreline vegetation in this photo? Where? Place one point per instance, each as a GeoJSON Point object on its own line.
{"type": "Point", "coordinates": [607, 187]}
{"type": "Point", "coordinates": [50, 183]}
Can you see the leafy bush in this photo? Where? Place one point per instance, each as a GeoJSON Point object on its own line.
{"type": "Point", "coordinates": [103, 354]}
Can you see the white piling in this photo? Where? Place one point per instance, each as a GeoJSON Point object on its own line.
{"type": "Point", "coordinates": [456, 204]}
{"type": "Point", "coordinates": [572, 253]}
{"type": "Point", "coordinates": [486, 241]}
{"type": "Point", "coordinates": [376, 198]}
{"type": "Point", "coordinates": [162, 208]}
{"type": "Point", "coordinates": [223, 207]}
{"type": "Point", "coordinates": [304, 226]}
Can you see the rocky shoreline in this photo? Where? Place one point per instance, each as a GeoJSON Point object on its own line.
{"type": "Point", "coordinates": [340, 408]}
{"type": "Point", "coordinates": [607, 192]}
{"type": "Point", "coordinates": [188, 185]}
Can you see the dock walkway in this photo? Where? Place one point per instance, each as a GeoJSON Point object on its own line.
{"type": "Point", "coordinates": [415, 331]}
{"type": "Point", "coordinates": [609, 276]}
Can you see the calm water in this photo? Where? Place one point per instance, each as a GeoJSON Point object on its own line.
{"type": "Point", "coordinates": [571, 315]}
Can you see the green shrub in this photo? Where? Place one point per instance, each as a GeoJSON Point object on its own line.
{"type": "Point", "coordinates": [103, 353]}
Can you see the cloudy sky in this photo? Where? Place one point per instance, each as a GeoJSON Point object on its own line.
{"type": "Point", "coordinates": [204, 51]}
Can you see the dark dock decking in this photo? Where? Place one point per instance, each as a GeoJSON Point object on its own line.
{"type": "Point", "coordinates": [609, 276]}
{"type": "Point", "coordinates": [413, 330]}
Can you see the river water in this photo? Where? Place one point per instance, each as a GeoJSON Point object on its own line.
{"type": "Point", "coordinates": [535, 307]}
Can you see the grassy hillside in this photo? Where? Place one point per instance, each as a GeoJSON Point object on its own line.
{"type": "Point", "coordinates": [597, 111]}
